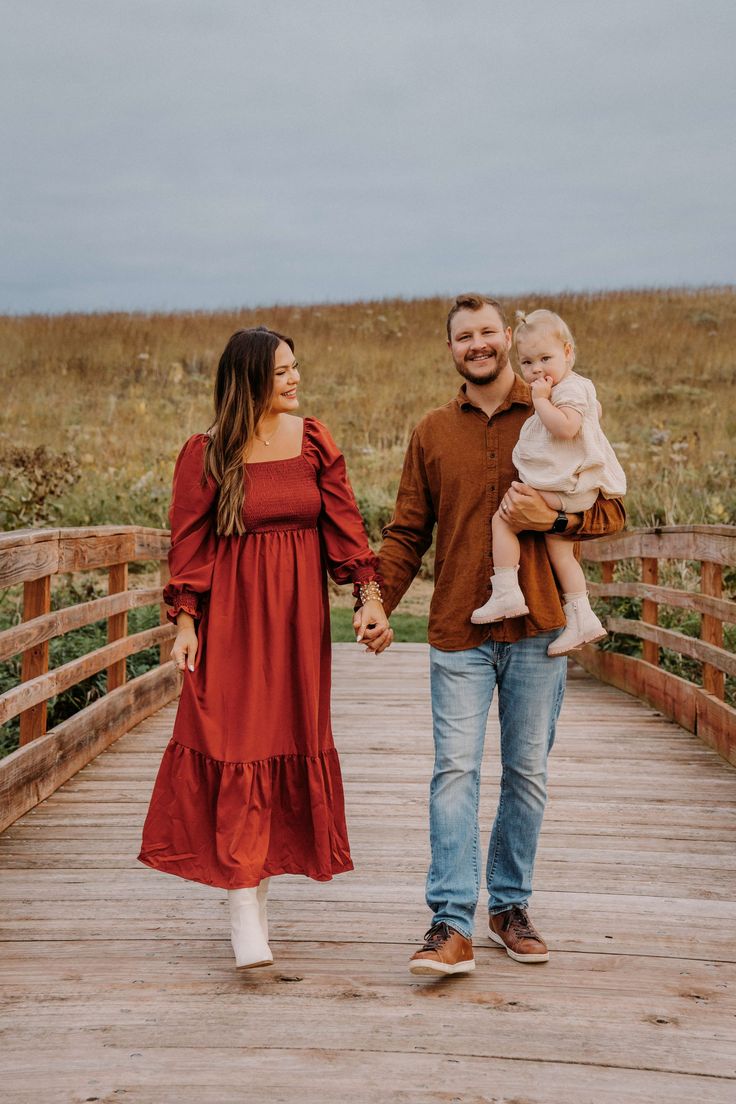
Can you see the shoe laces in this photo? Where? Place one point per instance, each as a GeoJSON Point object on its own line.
{"type": "Point", "coordinates": [436, 936]}
{"type": "Point", "coordinates": [522, 927]}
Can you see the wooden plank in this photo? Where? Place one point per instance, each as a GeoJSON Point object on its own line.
{"type": "Point", "coordinates": [321, 1074]}
{"type": "Point", "coordinates": [61, 678]}
{"type": "Point", "coordinates": [31, 773]}
{"type": "Point", "coordinates": [25, 562]}
{"type": "Point", "coordinates": [722, 608]}
{"type": "Point", "coordinates": [152, 544]}
{"type": "Point", "coordinates": [676, 641]}
{"type": "Point", "coordinates": [123, 976]}
{"type": "Point", "coordinates": [35, 661]}
{"type": "Point", "coordinates": [716, 724]}
{"type": "Point", "coordinates": [61, 621]}
{"type": "Point", "coordinates": [117, 624]}
{"type": "Point", "coordinates": [714, 544]}
{"type": "Point", "coordinates": [101, 549]}
{"type": "Point", "coordinates": [711, 627]}
{"type": "Point", "coordinates": [649, 610]}
{"type": "Point", "coordinates": [688, 705]}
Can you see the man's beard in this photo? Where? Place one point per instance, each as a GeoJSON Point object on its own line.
{"type": "Point", "coordinates": [502, 359]}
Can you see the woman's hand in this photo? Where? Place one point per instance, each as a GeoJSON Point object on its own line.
{"type": "Point", "coordinates": [372, 628]}
{"type": "Point", "coordinates": [184, 651]}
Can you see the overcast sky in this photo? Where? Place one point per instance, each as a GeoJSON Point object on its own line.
{"type": "Point", "coordinates": [216, 153]}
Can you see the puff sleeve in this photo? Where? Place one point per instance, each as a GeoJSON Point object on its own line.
{"type": "Point", "coordinates": [193, 534]}
{"type": "Point", "coordinates": [347, 552]}
{"type": "Point", "coordinates": [574, 393]}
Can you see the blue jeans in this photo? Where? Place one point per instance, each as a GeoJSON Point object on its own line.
{"type": "Point", "coordinates": [531, 686]}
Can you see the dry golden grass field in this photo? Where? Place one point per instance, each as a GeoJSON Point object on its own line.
{"type": "Point", "coordinates": [108, 399]}
{"type": "Point", "coordinates": [95, 408]}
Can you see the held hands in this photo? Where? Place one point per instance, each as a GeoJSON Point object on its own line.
{"type": "Point", "coordinates": [184, 651]}
{"type": "Point", "coordinates": [542, 388]}
{"type": "Point", "coordinates": [372, 628]}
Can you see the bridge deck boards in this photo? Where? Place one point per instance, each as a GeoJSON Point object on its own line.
{"type": "Point", "coordinates": [118, 982]}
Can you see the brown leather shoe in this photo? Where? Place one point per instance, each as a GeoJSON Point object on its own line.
{"type": "Point", "coordinates": [445, 951]}
{"type": "Point", "coordinates": [514, 930]}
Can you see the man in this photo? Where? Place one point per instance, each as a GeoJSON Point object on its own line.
{"type": "Point", "coordinates": [457, 470]}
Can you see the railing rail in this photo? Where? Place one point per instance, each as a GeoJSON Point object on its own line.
{"type": "Point", "coordinates": [702, 709]}
{"type": "Point", "coordinates": [32, 557]}
{"type": "Point", "coordinates": [47, 759]}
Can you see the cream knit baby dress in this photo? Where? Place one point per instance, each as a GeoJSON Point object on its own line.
{"type": "Point", "coordinates": [576, 469]}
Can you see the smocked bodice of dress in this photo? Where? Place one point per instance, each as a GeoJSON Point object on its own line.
{"type": "Point", "coordinates": [308, 491]}
{"type": "Point", "coordinates": [281, 494]}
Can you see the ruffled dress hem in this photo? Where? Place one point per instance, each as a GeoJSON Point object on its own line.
{"type": "Point", "coordinates": [231, 824]}
{"type": "Point", "coordinates": [173, 868]}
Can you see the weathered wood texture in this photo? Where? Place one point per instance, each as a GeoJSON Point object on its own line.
{"type": "Point", "coordinates": [117, 624]}
{"type": "Point", "coordinates": [35, 660]}
{"type": "Point", "coordinates": [27, 554]}
{"type": "Point", "coordinates": [699, 709]}
{"type": "Point", "coordinates": [61, 678]}
{"type": "Point", "coordinates": [117, 982]}
{"type": "Point", "coordinates": [29, 633]}
{"type": "Point", "coordinates": [710, 543]}
{"type": "Point", "coordinates": [31, 557]}
{"type": "Point", "coordinates": [36, 769]}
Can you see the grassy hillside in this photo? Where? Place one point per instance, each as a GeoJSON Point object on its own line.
{"type": "Point", "coordinates": [95, 407]}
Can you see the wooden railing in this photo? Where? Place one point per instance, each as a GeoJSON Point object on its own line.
{"type": "Point", "coordinates": [47, 759]}
{"type": "Point", "coordinates": [32, 557]}
{"type": "Point", "coordinates": [700, 709]}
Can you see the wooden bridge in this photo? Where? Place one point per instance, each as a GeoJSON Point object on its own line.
{"type": "Point", "coordinates": [118, 984]}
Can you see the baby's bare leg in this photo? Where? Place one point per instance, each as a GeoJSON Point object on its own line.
{"type": "Point", "coordinates": [506, 549]}
{"type": "Point", "coordinates": [568, 571]}
{"type": "Point", "coordinates": [552, 499]}
{"type": "Point", "coordinates": [506, 598]}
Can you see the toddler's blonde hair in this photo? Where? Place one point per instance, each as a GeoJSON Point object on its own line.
{"type": "Point", "coordinates": [540, 320]}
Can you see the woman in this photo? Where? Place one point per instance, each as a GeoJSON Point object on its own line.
{"type": "Point", "coordinates": [249, 786]}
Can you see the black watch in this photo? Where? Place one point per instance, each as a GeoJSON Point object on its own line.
{"type": "Point", "coordinates": [559, 525]}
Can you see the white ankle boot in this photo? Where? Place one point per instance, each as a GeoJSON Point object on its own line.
{"type": "Point", "coordinates": [582, 626]}
{"type": "Point", "coordinates": [246, 933]}
{"type": "Point", "coordinates": [506, 598]}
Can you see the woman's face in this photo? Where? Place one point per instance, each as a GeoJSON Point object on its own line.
{"type": "Point", "coordinates": [285, 380]}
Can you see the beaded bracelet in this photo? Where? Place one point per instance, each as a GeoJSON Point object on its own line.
{"type": "Point", "coordinates": [370, 592]}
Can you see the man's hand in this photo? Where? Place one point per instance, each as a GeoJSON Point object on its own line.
{"type": "Point", "coordinates": [372, 628]}
{"type": "Point", "coordinates": [524, 508]}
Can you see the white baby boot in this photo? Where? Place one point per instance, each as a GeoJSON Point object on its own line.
{"type": "Point", "coordinates": [506, 598]}
{"type": "Point", "coordinates": [246, 932]}
{"type": "Point", "coordinates": [582, 626]}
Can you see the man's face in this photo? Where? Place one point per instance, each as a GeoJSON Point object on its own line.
{"type": "Point", "coordinates": [479, 344]}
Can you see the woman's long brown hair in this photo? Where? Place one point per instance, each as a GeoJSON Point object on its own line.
{"type": "Point", "coordinates": [243, 390]}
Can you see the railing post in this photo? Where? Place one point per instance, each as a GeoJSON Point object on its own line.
{"type": "Point", "coordinates": [650, 609]}
{"type": "Point", "coordinates": [117, 624]}
{"type": "Point", "coordinates": [711, 629]}
{"type": "Point", "coordinates": [607, 571]}
{"type": "Point", "coordinates": [35, 661]}
{"type": "Point", "coordinates": [164, 651]}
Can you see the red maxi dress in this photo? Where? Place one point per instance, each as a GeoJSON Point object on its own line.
{"type": "Point", "coordinates": [250, 784]}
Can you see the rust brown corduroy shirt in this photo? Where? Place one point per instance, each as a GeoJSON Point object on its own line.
{"type": "Point", "coordinates": [457, 469]}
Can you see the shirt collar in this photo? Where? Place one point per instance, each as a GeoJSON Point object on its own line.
{"type": "Point", "coordinates": [519, 395]}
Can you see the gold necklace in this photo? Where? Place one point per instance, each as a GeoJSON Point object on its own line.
{"type": "Point", "coordinates": [263, 439]}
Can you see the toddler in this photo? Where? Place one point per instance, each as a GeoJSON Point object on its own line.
{"type": "Point", "coordinates": [563, 453]}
